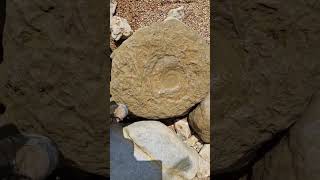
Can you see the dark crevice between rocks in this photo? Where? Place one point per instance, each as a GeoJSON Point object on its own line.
{"type": "Point", "coordinates": [2, 23]}
{"type": "Point", "coordinates": [2, 108]}
{"type": "Point", "coordinates": [243, 167]}
{"type": "Point", "coordinates": [131, 118]}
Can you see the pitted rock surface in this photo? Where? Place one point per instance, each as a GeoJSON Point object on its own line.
{"type": "Point", "coordinates": [161, 71]}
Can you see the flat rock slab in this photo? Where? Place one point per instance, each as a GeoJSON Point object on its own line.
{"type": "Point", "coordinates": [155, 141]}
{"type": "Point", "coordinates": [52, 79]}
{"type": "Point", "coordinates": [161, 71]}
{"type": "Point", "coordinates": [124, 165]}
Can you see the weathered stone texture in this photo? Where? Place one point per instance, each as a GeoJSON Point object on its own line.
{"type": "Point", "coordinates": [266, 62]}
{"type": "Point", "coordinates": [53, 77]}
{"type": "Point", "coordinates": [161, 71]}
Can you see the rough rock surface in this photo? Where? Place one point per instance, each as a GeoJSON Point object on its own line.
{"type": "Point", "coordinates": [120, 28]}
{"type": "Point", "coordinates": [52, 79]}
{"type": "Point", "coordinates": [182, 129]}
{"type": "Point", "coordinates": [297, 155]}
{"type": "Point", "coordinates": [205, 152]}
{"type": "Point", "coordinates": [266, 70]}
{"type": "Point", "coordinates": [163, 68]}
{"type": "Point", "coordinates": [192, 141]}
{"type": "Point", "coordinates": [113, 6]}
{"type": "Point", "coordinates": [204, 168]}
{"type": "Point", "coordinates": [199, 120]}
{"type": "Point", "coordinates": [177, 13]}
{"type": "Point", "coordinates": [121, 112]}
{"type": "Point", "coordinates": [155, 141]}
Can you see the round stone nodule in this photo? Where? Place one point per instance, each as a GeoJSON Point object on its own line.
{"type": "Point", "coordinates": [161, 71]}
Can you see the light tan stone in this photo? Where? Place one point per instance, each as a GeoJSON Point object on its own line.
{"type": "Point", "coordinates": [191, 141]}
{"type": "Point", "coordinates": [205, 152]}
{"type": "Point", "coordinates": [161, 71]}
{"type": "Point", "coordinates": [199, 120]}
{"type": "Point", "coordinates": [182, 128]}
{"type": "Point", "coordinates": [120, 28]}
{"type": "Point", "coordinates": [204, 168]}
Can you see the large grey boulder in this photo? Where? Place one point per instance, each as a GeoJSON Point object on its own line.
{"type": "Point", "coordinates": [266, 68]}
{"type": "Point", "coordinates": [155, 141]}
{"type": "Point", "coordinates": [161, 71]}
{"type": "Point", "coordinates": [53, 77]}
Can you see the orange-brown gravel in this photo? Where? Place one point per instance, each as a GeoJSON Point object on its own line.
{"type": "Point", "coordinates": [140, 13]}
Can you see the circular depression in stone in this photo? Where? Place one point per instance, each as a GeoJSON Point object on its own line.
{"type": "Point", "coordinates": [161, 71]}
{"type": "Point", "coordinates": [165, 75]}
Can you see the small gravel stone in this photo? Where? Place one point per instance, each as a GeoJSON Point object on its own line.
{"type": "Point", "coordinates": [191, 141]}
{"type": "Point", "coordinates": [183, 129]}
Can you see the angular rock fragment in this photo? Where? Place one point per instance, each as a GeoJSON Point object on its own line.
{"type": "Point", "coordinates": [161, 71]}
{"type": "Point", "coordinates": [120, 112]}
{"type": "Point", "coordinates": [113, 6]}
{"type": "Point", "coordinates": [199, 120]}
{"type": "Point", "coordinates": [205, 152]}
{"type": "Point", "coordinates": [204, 169]}
{"type": "Point", "coordinates": [177, 13]}
{"type": "Point", "coordinates": [191, 141]}
{"type": "Point", "coordinates": [155, 141]}
{"type": "Point", "coordinates": [197, 146]}
{"type": "Point", "coordinates": [120, 28]}
{"type": "Point", "coordinates": [182, 128]}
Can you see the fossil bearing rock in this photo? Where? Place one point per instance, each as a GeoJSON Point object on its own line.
{"type": "Point", "coordinates": [161, 71]}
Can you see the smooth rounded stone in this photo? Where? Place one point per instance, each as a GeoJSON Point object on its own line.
{"type": "Point", "coordinates": [182, 128]}
{"type": "Point", "coordinates": [155, 141]}
{"type": "Point", "coordinates": [205, 152]}
{"type": "Point", "coordinates": [161, 71]}
{"type": "Point", "coordinates": [120, 28]}
{"type": "Point", "coordinates": [177, 13]}
{"type": "Point", "coordinates": [199, 120]}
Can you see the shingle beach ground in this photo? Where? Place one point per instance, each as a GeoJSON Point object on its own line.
{"type": "Point", "coordinates": [140, 13]}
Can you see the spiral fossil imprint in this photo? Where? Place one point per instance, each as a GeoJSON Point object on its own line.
{"type": "Point", "coordinates": [161, 71]}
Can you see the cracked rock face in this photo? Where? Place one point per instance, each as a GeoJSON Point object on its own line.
{"type": "Point", "coordinates": [161, 71]}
